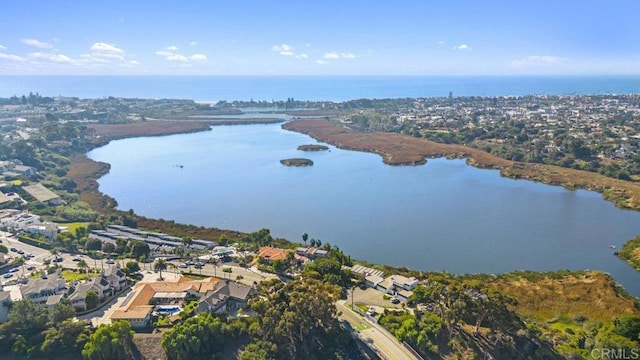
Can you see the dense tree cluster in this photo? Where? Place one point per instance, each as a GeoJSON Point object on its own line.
{"type": "Point", "coordinates": [296, 320]}
{"type": "Point", "coordinates": [35, 331]}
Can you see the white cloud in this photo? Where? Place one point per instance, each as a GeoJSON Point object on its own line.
{"type": "Point", "coordinates": [177, 57]}
{"type": "Point", "coordinates": [171, 54]}
{"type": "Point", "coordinates": [462, 47]}
{"type": "Point", "coordinates": [335, 56]}
{"type": "Point", "coordinates": [134, 62]}
{"type": "Point", "coordinates": [537, 61]}
{"type": "Point", "coordinates": [287, 50]}
{"type": "Point", "coordinates": [193, 43]}
{"type": "Point", "coordinates": [10, 57]}
{"type": "Point", "coordinates": [321, 62]}
{"type": "Point", "coordinates": [440, 42]}
{"type": "Point", "coordinates": [2, 47]}
{"type": "Point", "coordinates": [283, 49]}
{"type": "Point", "coordinates": [332, 55]}
{"type": "Point", "coordinates": [37, 43]}
{"type": "Point", "coordinates": [58, 58]}
{"type": "Point", "coordinates": [198, 57]}
{"type": "Point", "coordinates": [106, 48]}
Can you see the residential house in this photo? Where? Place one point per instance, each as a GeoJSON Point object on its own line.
{"type": "Point", "coordinates": [403, 282]}
{"type": "Point", "coordinates": [25, 171]}
{"type": "Point", "coordinates": [386, 286]}
{"type": "Point", "coordinates": [373, 281]}
{"type": "Point", "coordinates": [116, 277]}
{"type": "Point", "coordinates": [229, 296]}
{"type": "Point", "coordinates": [46, 229]}
{"type": "Point", "coordinates": [99, 285]}
{"type": "Point", "coordinates": [5, 300]}
{"type": "Point", "coordinates": [270, 254]}
{"type": "Point", "coordinates": [312, 252]}
{"type": "Point", "coordinates": [40, 290]}
{"type": "Point", "coordinates": [138, 306]}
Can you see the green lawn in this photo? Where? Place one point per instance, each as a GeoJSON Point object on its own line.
{"type": "Point", "coordinates": [73, 226]}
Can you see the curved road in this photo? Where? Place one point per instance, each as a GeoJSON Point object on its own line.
{"type": "Point", "coordinates": [375, 335]}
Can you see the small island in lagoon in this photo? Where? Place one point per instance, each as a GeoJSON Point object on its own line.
{"type": "Point", "coordinates": [313, 147]}
{"type": "Point", "coordinates": [296, 162]}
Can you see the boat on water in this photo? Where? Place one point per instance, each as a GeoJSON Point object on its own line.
{"type": "Point", "coordinates": [612, 246]}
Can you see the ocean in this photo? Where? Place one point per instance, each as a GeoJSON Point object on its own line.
{"type": "Point", "coordinates": [312, 88]}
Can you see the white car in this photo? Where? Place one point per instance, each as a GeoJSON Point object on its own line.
{"type": "Point", "coordinates": [183, 265]}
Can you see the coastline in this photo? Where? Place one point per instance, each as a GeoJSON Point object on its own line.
{"type": "Point", "coordinates": [399, 149]}
{"type": "Point", "coordinates": [630, 253]}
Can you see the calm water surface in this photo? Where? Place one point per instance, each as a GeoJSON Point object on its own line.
{"type": "Point", "coordinates": [444, 215]}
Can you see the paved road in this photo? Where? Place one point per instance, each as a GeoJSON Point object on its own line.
{"type": "Point", "coordinates": [249, 275]}
{"type": "Point", "coordinates": [39, 254]}
{"type": "Point", "coordinates": [375, 335]}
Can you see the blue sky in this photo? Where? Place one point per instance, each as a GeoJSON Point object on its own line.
{"type": "Point", "coordinates": [362, 37]}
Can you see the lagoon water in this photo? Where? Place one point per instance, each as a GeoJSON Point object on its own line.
{"type": "Point", "coordinates": [444, 215]}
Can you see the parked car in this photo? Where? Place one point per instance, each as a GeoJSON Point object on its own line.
{"type": "Point", "coordinates": [14, 249]}
{"type": "Point", "coordinates": [76, 259]}
{"type": "Point", "coordinates": [395, 300]}
{"type": "Point", "coordinates": [183, 265]}
{"type": "Point", "coordinates": [110, 261]}
{"type": "Point", "coordinates": [371, 311]}
{"type": "Point", "coordinates": [20, 251]}
{"type": "Point", "coordinates": [14, 270]}
{"type": "Point", "coordinates": [7, 275]}
{"type": "Point", "coordinates": [30, 267]}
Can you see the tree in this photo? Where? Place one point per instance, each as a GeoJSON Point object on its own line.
{"type": "Point", "coordinates": [67, 337]}
{"type": "Point", "coordinates": [259, 350]}
{"type": "Point", "coordinates": [139, 249]}
{"type": "Point", "coordinates": [223, 240]}
{"type": "Point", "coordinates": [305, 237]}
{"type": "Point", "coordinates": [628, 326]}
{"type": "Point", "coordinates": [132, 267]}
{"type": "Point", "coordinates": [82, 265]}
{"type": "Point", "coordinates": [108, 248]}
{"type": "Point", "coordinates": [121, 246]}
{"type": "Point", "coordinates": [91, 299]}
{"type": "Point", "coordinates": [330, 270]}
{"type": "Point", "coordinates": [3, 249]}
{"type": "Point", "coordinates": [113, 341]}
{"type": "Point", "coordinates": [198, 337]}
{"type": "Point", "coordinates": [27, 318]}
{"type": "Point", "coordinates": [93, 244]}
{"type": "Point", "coordinates": [300, 316]}
{"type": "Point", "coordinates": [160, 265]}
{"type": "Point", "coordinates": [61, 311]}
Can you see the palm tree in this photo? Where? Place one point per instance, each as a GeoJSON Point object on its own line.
{"type": "Point", "coordinates": [305, 237]}
{"type": "Point", "coordinates": [82, 265]}
{"type": "Point", "coordinates": [214, 261]}
{"type": "Point", "coordinates": [161, 264]}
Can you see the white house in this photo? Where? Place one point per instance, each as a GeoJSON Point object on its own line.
{"type": "Point", "coordinates": [404, 282]}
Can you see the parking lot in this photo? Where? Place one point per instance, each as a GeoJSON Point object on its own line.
{"type": "Point", "coordinates": [371, 297]}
